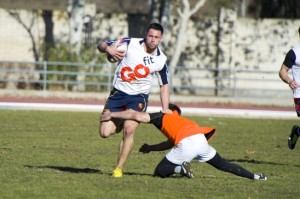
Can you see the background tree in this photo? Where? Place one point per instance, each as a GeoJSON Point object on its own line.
{"type": "Point", "coordinates": [49, 36]}
{"type": "Point", "coordinates": [76, 13]}
{"type": "Point", "coordinates": [184, 16]}
{"type": "Point", "coordinates": [158, 12]}
{"type": "Point", "coordinates": [29, 29]}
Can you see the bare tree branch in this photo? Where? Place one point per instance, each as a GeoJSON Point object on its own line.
{"type": "Point", "coordinates": [185, 15]}
{"type": "Point", "coordinates": [184, 18]}
{"type": "Point", "coordinates": [16, 15]}
{"type": "Point", "coordinates": [197, 7]}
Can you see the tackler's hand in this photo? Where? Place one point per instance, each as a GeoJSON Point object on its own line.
{"type": "Point", "coordinates": [145, 148]}
{"type": "Point", "coordinates": [105, 116]}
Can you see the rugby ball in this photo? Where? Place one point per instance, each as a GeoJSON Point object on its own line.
{"type": "Point", "coordinates": [120, 48]}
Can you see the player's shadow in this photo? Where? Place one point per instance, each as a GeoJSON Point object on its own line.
{"type": "Point", "coordinates": [252, 161]}
{"type": "Point", "coordinates": [66, 169]}
{"type": "Point", "coordinates": [137, 174]}
{"type": "Point", "coordinates": [81, 170]}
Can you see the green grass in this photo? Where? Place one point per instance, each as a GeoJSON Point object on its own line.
{"type": "Point", "coordinates": [47, 154]}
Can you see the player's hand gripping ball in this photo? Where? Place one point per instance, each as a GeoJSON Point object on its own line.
{"type": "Point", "coordinates": [120, 48]}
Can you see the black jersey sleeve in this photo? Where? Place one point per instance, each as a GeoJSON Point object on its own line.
{"type": "Point", "coordinates": [290, 59]}
{"type": "Point", "coordinates": [156, 119]}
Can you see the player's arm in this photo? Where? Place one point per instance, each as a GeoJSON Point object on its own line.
{"type": "Point", "coordinates": [283, 74]}
{"type": "Point", "coordinates": [145, 148]}
{"type": "Point", "coordinates": [112, 50]}
{"type": "Point", "coordinates": [127, 115]}
{"type": "Point", "coordinates": [102, 46]}
{"type": "Point", "coordinates": [288, 63]}
{"type": "Point", "coordinates": [165, 98]}
{"type": "Point", "coordinates": [162, 77]}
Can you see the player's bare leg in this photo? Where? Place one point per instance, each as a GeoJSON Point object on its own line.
{"type": "Point", "coordinates": [107, 128]}
{"type": "Point", "coordinates": [126, 146]}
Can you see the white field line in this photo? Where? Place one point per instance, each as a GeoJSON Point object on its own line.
{"type": "Point", "coordinates": [241, 113]}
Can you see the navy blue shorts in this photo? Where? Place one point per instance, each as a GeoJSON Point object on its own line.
{"type": "Point", "coordinates": [120, 101]}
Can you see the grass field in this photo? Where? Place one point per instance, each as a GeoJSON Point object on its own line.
{"type": "Point", "coordinates": [46, 154]}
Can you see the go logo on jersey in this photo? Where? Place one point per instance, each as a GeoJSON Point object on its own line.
{"type": "Point", "coordinates": [139, 71]}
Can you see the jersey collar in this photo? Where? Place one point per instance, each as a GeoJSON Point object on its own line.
{"type": "Point", "coordinates": [142, 42]}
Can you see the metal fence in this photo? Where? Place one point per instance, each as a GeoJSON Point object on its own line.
{"type": "Point", "coordinates": [47, 76]}
{"type": "Point", "coordinates": [82, 77]}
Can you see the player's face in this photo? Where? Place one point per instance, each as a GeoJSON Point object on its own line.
{"type": "Point", "coordinates": [153, 38]}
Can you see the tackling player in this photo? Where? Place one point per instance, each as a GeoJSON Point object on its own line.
{"type": "Point", "coordinates": [189, 141]}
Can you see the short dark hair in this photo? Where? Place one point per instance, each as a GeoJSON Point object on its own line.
{"type": "Point", "coordinates": [156, 26]}
{"type": "Point", "coordinates": [174, 107]}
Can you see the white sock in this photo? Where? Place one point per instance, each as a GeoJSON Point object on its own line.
{"type": "Point", "coordinates": [177, 169]}
{"type": "Point", "coordinates": [256, 177]}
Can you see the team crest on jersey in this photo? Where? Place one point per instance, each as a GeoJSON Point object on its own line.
{"type": "Point", "coordinates": [140, 106]}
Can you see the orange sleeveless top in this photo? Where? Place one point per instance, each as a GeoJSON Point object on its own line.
{"type": "Point", "coordinates": [176, 128]}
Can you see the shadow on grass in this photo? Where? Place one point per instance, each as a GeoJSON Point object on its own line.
{"type": "Point", "coordinates": [81, 170]}
{"type": "Point", "coordinates": [66, 169]}
{"type": "Point", "coordinates": [258, 162]}
{"type": "Point", "coordinates": [137, 174]}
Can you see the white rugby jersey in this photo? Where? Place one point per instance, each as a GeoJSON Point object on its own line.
{"type": "Point", "coordinates": [135, 71]}
{"type": "Point", "coordinates": [292, 60]}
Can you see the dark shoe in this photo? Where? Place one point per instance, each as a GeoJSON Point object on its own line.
{"type": "Point", "coordinates": [187, 170]}
{"type": "Point", "coordinates": [293, 138]}
{"type": "Point", "coordinates": [262, 177]}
